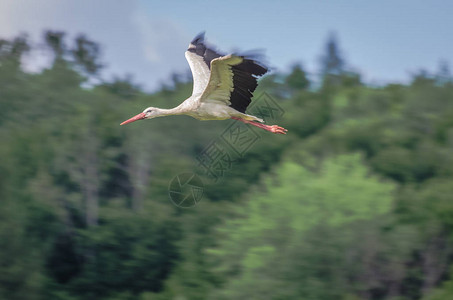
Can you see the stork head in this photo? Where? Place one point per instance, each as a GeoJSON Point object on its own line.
{"type": "Point", "coordinates": [149, 113]}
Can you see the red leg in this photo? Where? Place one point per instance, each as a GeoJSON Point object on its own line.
{"type": "Point", "coordinates": [270, 128]}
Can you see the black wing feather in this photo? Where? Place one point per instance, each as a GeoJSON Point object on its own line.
{"type": "Point", "coordinates": [198, 47]}
{"type": "Point", "coordinates": [245, 76]}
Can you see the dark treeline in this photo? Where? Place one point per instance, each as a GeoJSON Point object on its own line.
{"type": "Point", "coordinates": [356, 202]}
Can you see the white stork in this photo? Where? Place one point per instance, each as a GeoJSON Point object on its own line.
{"type": "Point", "coordinates": [222, 88]}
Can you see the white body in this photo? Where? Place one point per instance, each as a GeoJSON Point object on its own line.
{"type": "Point", "coordinates": [211, 110]}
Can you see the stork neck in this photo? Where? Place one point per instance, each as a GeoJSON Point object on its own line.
{"type": "Point", "coordinates": [172, 111]}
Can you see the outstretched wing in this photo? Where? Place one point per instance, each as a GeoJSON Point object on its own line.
{"type": "Point", "coordinates": [232, 81]}
{"type": "Point", "coordinates": [199, 58]}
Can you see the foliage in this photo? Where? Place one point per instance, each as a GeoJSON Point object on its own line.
{"type": "Point", "coordinates": [354, 203]}
{"type": "Point", "coordinates": [273, 240]}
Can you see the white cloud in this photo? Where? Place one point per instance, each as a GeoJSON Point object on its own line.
{"type": "Point", "coordinates": [158, 35]}
{"type": "Point", "coordinates": [163, 42]}
{"type": "Point", "coordinates": [132, 42]}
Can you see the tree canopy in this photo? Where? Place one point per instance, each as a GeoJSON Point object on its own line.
{"type": "Point", "coordinates": [354, 203]}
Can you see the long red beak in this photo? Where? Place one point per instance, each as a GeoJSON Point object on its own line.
{"type": "Point", "coordinates": [140, 116]}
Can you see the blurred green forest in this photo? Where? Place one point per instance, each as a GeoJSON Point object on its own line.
{"type": "Point", "coordinates": [356, 202]}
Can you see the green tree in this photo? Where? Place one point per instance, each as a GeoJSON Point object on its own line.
{"type": "Point", "coordinates": [332, 62]}
{"type": "Point", "coordinates": [256, 244]}
{"type": "Point", "coordinates": [86, 54]}
{"type": "Point", "coordinates": [297, 79]}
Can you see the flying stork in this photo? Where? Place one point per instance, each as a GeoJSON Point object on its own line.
{"type": "Point", "coordinates": [222, 88]}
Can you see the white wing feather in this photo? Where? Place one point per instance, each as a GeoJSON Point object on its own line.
{"type": "Point", "coordinates": [200, 73]}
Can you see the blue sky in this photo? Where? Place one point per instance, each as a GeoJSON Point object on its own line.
{"type": "Point", "coordinates": [386, 41]}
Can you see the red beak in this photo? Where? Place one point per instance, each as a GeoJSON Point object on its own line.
{"type": "Point", "coordinates": [140, 116]}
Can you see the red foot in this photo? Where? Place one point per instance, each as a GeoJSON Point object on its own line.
{"type": "Point", "coordinates": [270, 128]}
{"type": "Point", "coordinates": [275, 129]}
